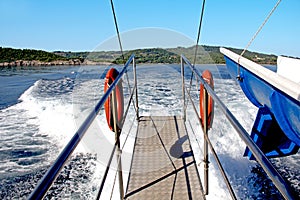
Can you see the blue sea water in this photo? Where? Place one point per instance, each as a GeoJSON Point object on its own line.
{"type": "Point", "coordinates": [41, 108]}
{"type": "Point", "coordinates": [16, 80]}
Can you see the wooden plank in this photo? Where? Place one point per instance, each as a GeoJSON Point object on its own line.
{"type": "Point", "coordinates": [163, 165]}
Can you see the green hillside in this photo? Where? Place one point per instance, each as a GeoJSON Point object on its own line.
{"type": "Point", "coordinates": [155, 55]}
{"type": "Point", "coordinates": [211, 55]}
{"type": "Point", "coordinates": [11, 55]}
{"type": "Point", "coordinates": [205, 55]}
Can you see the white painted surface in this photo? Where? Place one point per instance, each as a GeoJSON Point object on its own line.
{"type": "Point", "coordinates": [289, 68]}
{"type": "Point", "coordinates": [282, 83]}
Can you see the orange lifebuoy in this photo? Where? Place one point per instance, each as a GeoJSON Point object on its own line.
{"type": "Point", "coordinates": [207, 76]}
{"type": "Point", "coordinates": [109, 79]}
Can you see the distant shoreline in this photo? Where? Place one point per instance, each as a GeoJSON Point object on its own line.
{"type": "Point", "coordinates": [10, 57]}
{"type": "Point", "coordinates": [36, 63]}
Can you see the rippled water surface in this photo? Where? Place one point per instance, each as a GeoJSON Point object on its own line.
{"type": "Point", "coordinates": [40, 110]}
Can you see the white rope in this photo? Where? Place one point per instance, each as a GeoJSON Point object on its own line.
{"type": "Point", "coordinates": [260, 28]}
{"type": "Point", "coordinates": [254, 36]}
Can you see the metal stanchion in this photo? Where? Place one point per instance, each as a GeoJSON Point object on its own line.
{"type": "Point", "coordinates": [205, 131]}
{"type": "Point", "coordinates": [183, 88]}
{"type": "Point", "coordinates": [117, 139]}
{"type": "Point", "coordinates": [136, 89]}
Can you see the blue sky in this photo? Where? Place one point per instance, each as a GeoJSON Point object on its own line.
{"type": "Point", "coordinates": [80, 25]}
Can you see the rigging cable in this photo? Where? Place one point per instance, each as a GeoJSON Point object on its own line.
{"type": "Point", "coordinates": [117, 29]}
{"type": "Point", "coordinates": [199, 32]}
{"type": "Point", "coordinates": [196, 50]}
{"type": "Point", "coordinates": [121, 48]}
{"type": "Point", "coordinates": [255, 35]}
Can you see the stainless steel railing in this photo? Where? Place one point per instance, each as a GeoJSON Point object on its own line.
{"type": "Point", "coordinates": [50, 176]}
{"type": "Point", "coordinates": [273, 174]}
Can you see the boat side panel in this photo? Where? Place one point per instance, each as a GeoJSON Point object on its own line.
{"type": "Point", "coordinates": [283, 84]}
{"type": "Point", "coordinates": [250, 84]}
{"type": "Point", "coordinates": [287, 114]}
{"type": "Point", "coordinates": [285, 109]}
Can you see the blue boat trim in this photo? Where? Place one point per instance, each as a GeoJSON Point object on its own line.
{"type": "Point", "coordinates": [276, 129]}
{"type": "Point", "coordinates": [269, 137]}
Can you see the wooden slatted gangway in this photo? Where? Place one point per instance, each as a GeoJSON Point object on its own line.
{"type": "Point", "coordinates": [163, 164]}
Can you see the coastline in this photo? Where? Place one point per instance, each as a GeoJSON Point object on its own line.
{"type": "Point", "coordinates": [25, 63]}
{"type": "Point", "coordinates": [77, 62]}
{"type": "Point", "coordinates": [10, 57]}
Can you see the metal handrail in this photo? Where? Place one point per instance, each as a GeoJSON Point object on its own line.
{"type": "Point", "coordinates": [50, 176]}
{"type": "Point", "coordinates": [273, 174]}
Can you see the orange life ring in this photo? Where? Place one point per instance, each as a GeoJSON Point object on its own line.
{"type": "Point", "coordinates": [207, 76]}
{"type": "Point", "coordinates": [109, 79]}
